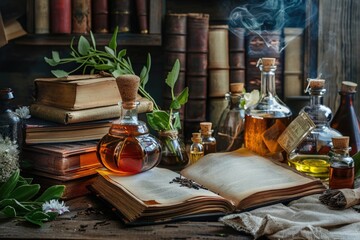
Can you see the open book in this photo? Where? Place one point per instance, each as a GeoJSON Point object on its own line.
{"type": "Point", "coordinates": [234, 181]}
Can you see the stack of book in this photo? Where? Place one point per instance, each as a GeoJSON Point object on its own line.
{"type": "Point", "coordinates": [69, 116]}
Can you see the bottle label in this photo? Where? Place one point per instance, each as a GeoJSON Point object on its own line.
{"type": "Point", "coordinates": [295, 133]}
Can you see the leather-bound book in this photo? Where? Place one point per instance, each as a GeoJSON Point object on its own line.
{"type": "Point", "coordinates": [41, 16]}
{"type": "Point", "coordinates": [100, 16]}
{"type": "Point", "coordinates": [81, 16]}
{"type": "Point", "coordinates": [60, 16]}
{"type": "Point", "coordinates": [237, 55]}
{"type": "Point", "coordinates": [142, 16]}
{"type": "Point", "coordinates": [197, 32]}
{"type": "Point", "coordinates": [120, 15]}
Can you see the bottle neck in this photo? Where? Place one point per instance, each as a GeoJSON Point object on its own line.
{"type": "Point", "coordinates": [346, 98]}
{"type": "Point", "coordinates": [268, 87]}
{"type": "Point", "coordinates": [129, 112]}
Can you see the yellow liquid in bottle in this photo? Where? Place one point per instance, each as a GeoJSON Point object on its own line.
{"type": "Point", "coordinates": [195, 156]}
{"type": "Point", "coordinates": [314, 166]}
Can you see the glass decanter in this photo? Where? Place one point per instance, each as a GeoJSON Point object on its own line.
{"type": "Point", "coordinates": [266, 120]}
{"type": "Point", "coordinates": [345, 119]}
{"type": "Point", "coordinates": [229, 133]}
{"type": "Point", "coordinates": [342, 166]}
{"type": "Point", "coordinates": [128, 148]}
{"type": "Point", "coordinates": [10, 122]}
{"type": "Point", "coordinates": [311, 155]}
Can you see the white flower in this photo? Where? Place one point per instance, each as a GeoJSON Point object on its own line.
{"type": "Point", "coordinates": [55, 206]}
{"type": "Point", "coordinates": [9, 158]}
{"type": "Point", "coordinates": [23, 112]}
{"type": "Point", "coordinates": [251, 98]}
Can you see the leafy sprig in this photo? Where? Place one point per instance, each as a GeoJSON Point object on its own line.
{"type": "Point", "coordinates": [18, 199]}
{"type": "Point", "coordinates": [110, 60]}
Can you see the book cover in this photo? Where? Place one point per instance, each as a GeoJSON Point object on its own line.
{"type": "Point", "coordinates": [62, 158]}
{"type": "Point", "coordinates": [42, 16]}
{"type": "Point", "coordinates": [60, 16]}
{"type": "Point", "coordinates": [240, 181]}
{"type": "Point", "coordinates": [81, 16]}
{"type": "Point", "coordinates": [100, 16]}
{"type": "Point", "coordinates": [120, 15]}
{"type": "Point", "coordinates": [41, 131]}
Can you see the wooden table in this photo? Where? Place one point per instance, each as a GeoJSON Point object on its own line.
{"type": "Point", "coordinates": [90, 218]}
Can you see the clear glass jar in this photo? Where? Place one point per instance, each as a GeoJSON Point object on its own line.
{"type": "Point", "coordinates": [129, 148]}
{"type": "Point", "coordinates": [342, 172]}
{"type": "Point", "coordinates": [311, 155]}
{"type": "Point", "coordinates": [266, 120]}
{"type": "Point", "coordinates": [173, 151]}
{"type": "Point", "coordinates": [229, 133]}
{"type": "Point", "coordinates": [208, 141]}
{"type": "Point", "coordinates": [196, 148]}
{"type": "Point", "coordinates": [10, 122]}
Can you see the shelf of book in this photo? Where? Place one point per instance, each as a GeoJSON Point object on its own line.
{"type": "Point", "coordinates": [128, 39]}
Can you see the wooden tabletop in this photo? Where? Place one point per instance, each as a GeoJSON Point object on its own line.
{"type": "Point", "coordinates": [90, 218]}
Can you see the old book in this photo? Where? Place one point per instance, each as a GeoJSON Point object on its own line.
{"type": "Point", "coordinates": [62, 158]}
{"type": "Point", "coordinates": [10, 30]}
{"type": "Point", "coordinates": [240, 181]}
{"type": "Point", "coordinates": [42, 16]}
{"type": "Point", "coordinates": [81, 16]}
{"type": "Point", "coordinates": [100, 16]}
{"type": "Point", "coordinates": [120, 15]}
{"type": "Point", "coordinates": [63, 116]}
{"type": "Point", "coordinates": [60, 16]}
{"type": "Point", "coordinates": [142, 15]}
{"type": "Point", "coordinates": [77, 92]}
{"type": "Point", "coordinates": [30, 17]}
{"type": "Point", "coordinates": [42, 131]}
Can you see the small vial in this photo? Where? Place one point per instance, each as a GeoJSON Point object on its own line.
{"type": "Point", "coordinates": [196, 148]}
{"type": "Point", "coordinates": [342, 172]}
{"type": "Point", "coordinates": [208, 141]}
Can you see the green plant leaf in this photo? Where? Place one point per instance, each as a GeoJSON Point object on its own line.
{"type": "Point", "coordinates": [18, 206]}
{"type": "Point", "coordinates": [113, 41]}
{"type": "Point", "coordinates": [56, 56]}
{"type": "Point", "coordinates": [53, 192]}
{"type": "Point", "coordinates": [7, 187]}
{"type": "Point", "coordinates": [59, 73]}
{"type": "Point", "coordinates": [356, 158]}
{"type": "Point", "coordinates": [122, 53]}
{"type": "Point", "coordinates": [93, 39]}
{"type": "Point", "coordinates": [38, 217]}
{"type": "Point", "coordinates": [8, 212]}
{"type": "Point", "coordinates": [104, 67]}
{"type": "Point", "coordinates": [110, 51]}
{"type": "Point", "coordinates": [176, 121]}
{"type": "Point", "coordinates": [158, 120]}
{"type": "Point", "coordinates": [182, 98]}
{"type": "Point", "coordinates": [173, 74]}
{"type": "Point", "coordinates": [175, 104]}
{"type": "Point", "coordinates": [51, 61]}
{"type": "Point", "coordinates": [25, 192]}
{"type": "Point", "coordinates": [84, 46]}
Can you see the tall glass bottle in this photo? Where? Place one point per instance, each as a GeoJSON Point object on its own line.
{"type": "Point", "coordinates": [266, 120]}
{"type": "Point", "coordinates": [208, 141]}
{"type": "Point", "coordinates": [128, 148]}
{"type": "Point", "coordinates": [229, 133]}
{"type": "Point", "coordinates": [311, 155]}
{"type": "Point", "coordinates": [345, 119]}
{"type": "Point", "coordinates": [10, 122]}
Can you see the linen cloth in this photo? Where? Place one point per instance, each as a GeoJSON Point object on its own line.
{"type": "Point", "coordinates": [305, 218]}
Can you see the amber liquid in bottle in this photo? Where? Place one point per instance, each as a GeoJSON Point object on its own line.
{"type": "Point", "coordinates": [341, 177]}
{"type": "Point", "coordinates": [128, 149]}
{"type": "Point", "coordinates": [261, 134]}
{"type": "Point", "coordinates": [209, 147]}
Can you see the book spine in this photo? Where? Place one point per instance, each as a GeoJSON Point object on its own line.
{"type": "Point", "coordinates": [81, 16]}
{"type": "Point", "coordinates": [60, 16]}
{"type": "Point", "coordinates": [197, 49]}
{"type": "Point", "coordinates": [293, 75]}
{"type": "Point", "coordinates": [30, 16]}
{"type": "Point", "coordinates": [41, 14]}
{"type": "Point", "coordinates": [237, 55]}
{"type": "Point", "coordinates": [120, 15]}
{"type": "Point", "coordinates": [100, 15]}
{"type": "Point", "coordinates": [142, 15]}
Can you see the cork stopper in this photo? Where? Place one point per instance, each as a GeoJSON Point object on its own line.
{"type": "Point", "coordinates": [205, 127]}
{"type": "Point", "coordinates": [349, 87]}
{"type": "Point", "coordinates": [196, 137]}
{"type": "Point", "coordinates": [236, 87]}
{"type": "Point", "coordinates": [317, 83]}
{"type": "Point", "coordinates": [128, 85]}
{"type": "Point", "coordinates": [340, 142]}
{"type": "Point", "coordinates": [267, 63]}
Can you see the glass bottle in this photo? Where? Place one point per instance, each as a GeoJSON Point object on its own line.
{"type": "Point", "coordinates": [266, 120]}
{"type": "Point", "coordinates": [311, 155]}
{"type": "Point", "coordinates": [345, 119]}
{"type": "Point", "coordinates": [128, 148]}
{"type": "Point", "coordinates": [196, 148]}
{"type": "Point", "coordinates": [10, 122]}
{"type": "Point", "coordinates": [229, 133]}
{"type": "Point", "coordinates": [208, 141]}
{"type": "Point", "coordinates": [342, 171]}
{"type": "Point", "coordinates": [173, 151]}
